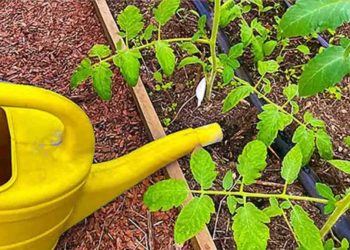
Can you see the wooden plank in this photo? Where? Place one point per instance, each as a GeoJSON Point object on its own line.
{"type": "Point", "coordinates": [203, 240]}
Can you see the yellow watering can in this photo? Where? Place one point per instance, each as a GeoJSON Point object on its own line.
{"type": "Point", "coordinates": [47, 180]}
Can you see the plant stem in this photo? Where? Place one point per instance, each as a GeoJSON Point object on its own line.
{"type": "Point", "coordinates": [264, 196]}
{"type": "Point", "coordinates": [341, 207]}
{"type": "Point", "coordinates": [159, 31]}
{"type": "Point", "coordinates": [213, 38]}
{"type": "Point", "coordinates": [172, 40]}
{"type": "Point", "coordinates": [290, 226]}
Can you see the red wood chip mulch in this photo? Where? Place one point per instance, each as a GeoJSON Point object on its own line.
{"type": "Point", "coordinates": [41, 42]}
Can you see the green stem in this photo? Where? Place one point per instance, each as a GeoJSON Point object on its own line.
{"type": "Point", "coordinates": [263, 196]}
{"type": "Point", "coordinates": [159, 31]}
{"type": "Point", "coordinates": [341, 207]}
{"type": "Point", "coordinates": [213, 39]}
{"type": "Point", "coordinates": [290, 226]}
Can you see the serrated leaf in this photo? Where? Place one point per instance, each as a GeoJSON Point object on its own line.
{"type": "Point", "coordinates": [303, 49]}
{"type": "Point", "coordinates": [274, 209]}
{"type": "Point", "coordinates": [147, 34]}
{"type": "Point", "coordinates": [305, 138]}
{"type": "Point", "coordinates": [193, 217]}
{"type": "Point", "coordinates": [252, 161]}
{"type": "Point", "coordinates": [130, 21]}
{"type": "Point", "coordinates": [201, 28]}
{"type": "Point", "coordinates": [203, 168]}
{"type": "Point", "coordinates": [189, 47]}
{"type": "Point", "coordinates": [236, 51]}
{"type": "Point", "coordinates": [231, 204]}
{"type": "Point", "coordinates": [269, 47]}
{"type": "Point", "coordinates": [227, 74]}
{"type": "Point", "coordinates": [191, 60]}
{"type": "Point", "coordinates": [82, 73]}
{"type": "Point", "coordinates": [249, 228]}
{"type": "Point", "coordinates": [325, 191]}
{"type": "Point", "coordinates": [235, 96]}
{"type": "Point", "coordinates": [166, 10]}
{"type": "Point", "coordinates": [165, 195]}
{"type": "Point", "coordinates": [227, 182]}
{"type": "Point", "coordinates": [246, 34]}
{"type": "Point", "coordinates": [305, 230]}
{"type": "Point", "coordinates": [290, 91]}
{"type": "Point", "coordinates": [100, 50]}
{"type": "Point", "coordinates": [165, 56]}
{"type": "Point", "coordinates": [271, 121]}
{"type": "Point", "coordinates": [324, 144]}
{"type": "Point", "coordinates": [265, 67]}
{"type": "Point", "coordinates": [341, 165]}
{"type": "Point", "coordinates": [258, 48]}
{"type": "Point", "coordinates": [229, 12]}
{"type": "Point", "coordinates": [323, 71]}
{"type": "Point", "coordinates": [291, 164]}
{"type": "Point", "coordinates": [308, 16]}
{"type": "Point", "coordinates": [129, 64]}
{"type": "Point", "coordinates": [102, 80]}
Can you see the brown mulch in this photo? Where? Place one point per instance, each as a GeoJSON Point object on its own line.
{"type": "Point", "coordinates": [41, 42]}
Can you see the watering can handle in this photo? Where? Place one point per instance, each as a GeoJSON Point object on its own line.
{"type": "Point", "coordinates": [78, 131]}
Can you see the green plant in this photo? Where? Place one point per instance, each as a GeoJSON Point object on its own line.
{"type": "Point", "coordinates": [250, 223]}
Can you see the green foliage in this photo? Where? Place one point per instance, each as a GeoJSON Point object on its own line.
{"type": "Point", "coordinates": [201, 28]}
{"type": "Point", "coordinates": [82, 73]}
{"type": "Point", "coordinates": [271, 121]}
{"type": "Point", "coordinates": [267, 67]}
{"type": "Point", "coordinates": [102, 80]}
{"type": "Point", "coordinates": [291, 164]}
{"type": "Point", "coordinates": [304, 49]}
{"type": "Point", "coordinates": [327, 193]}
{"type": "Point", "coordinates": [166, 10]}
{"type": "Point", "coordinates": [191, 60]}
{"type": "Point", "coordinates": [305, 138]}
{"type": "Point", "coordinates": [309, 16]}
{"type": "Point", "coordinates": [305, 230]}
{"type": "Point", "coordinates": [165, 195]}
{"type": "Point", "coordinates": [229, 12]}
{"type": "Point", "coordinates": [324, 144]}
{"type": "Point", "coordinates": [193, 217]}
{"type": "Point", "coordinates": [165, 56]}
{"type": "Point", "coordinates": [235, 96]}
{"type": "Point", "coordinates": [274, 209]}
{"type": "Point", "coordinates": [249, 227]}
{"type": "Point", "coordinates": [189, 47]}
{"type": "Point", "coordinates": [130, 20]}
{"type": "Point", "coordinates": [227, 182]}
{"type": "Point", "coordinates": [231, 204]}
{"type": "Point", "coordinates": [100, 50]}
{"type": "Point", "coordinates": [323, 71]}
{"type": "Point", "coordinates": [347, 141]}
{"type": "Point", "coordinates": [129, 64]}
{"type": "Point", "coordinates": [147, 35]}
{"type": "Point", "coordinates": [203, 168]}
{"type": "Point", "coordinates": [252, 161]}
{"type": "Point", "coordinates": [341, 165]}
{"type": "Point", "coordinates": [290, 91]}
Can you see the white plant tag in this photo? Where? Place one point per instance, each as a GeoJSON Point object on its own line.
{"type": "Point", "coordinates": [200, 91]}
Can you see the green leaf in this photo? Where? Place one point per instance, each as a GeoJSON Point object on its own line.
{"type": "Point", "coordinates": [165, 56]}
{"type": "Point", "coordinates": [328, 245]}
{"type": "Point", "coordinates": [201, 28]}
{"type": "Point", "coordinates": [325, 191]}
{"type": "Point", "coordinates": [246, 34]}
{"type": "Point", "coordinates": [323, 71]}
{"type": "Point", "coordinates": [258, 3]}
{"type": "Point", "coordinates": [235, 96]}
{"type": "Point", "coordinates": [271, 121]}
{"type": "Point", "coordinates": [341, 165]}
{"type": "Point", "coordinates": [309, 16]}
{"type": "Point", "coordinates": [273, 210]}
{"type": "Point", "coordinates": [189, 47]}
{"type": "Point", "coordinates": [304, 49]}
{"type": "Point", "coordinates": [249, 228]}
{"type": "Point", "coordinates": [102, 80]}
{"type": "Point", "coordinates": [305, 230]}
{"type": "Point", "coordinates": [292, 164]}
{"type": "Point", "coordinates": [130, 21]}
{"type": "Point", "coordinates": [227, 74]}
{"type": "Point", "coordinates": [203, 168]}
{"type": "Point", "coordinates": [252, 161]}
{"type": "Point", "coordinates": [324, 144]}
{"type": "Point", "coordinates": [236, 51]}
{"type": "Point", "coordinates": [100, 50]}
{"type": "Point", "coordinates": [191, 60]}
{"type": "Point", "coordinates": [82, 73]}
{"type": "Point", "coordinates": [166, 10]}
{"type": "Point", "coordinates": [269, 47]}
{"type": "Point", "coordinates": [147, 35]}
{"type": "Point", "coordinates": [290, 91]}
{"type": "Point", "coordinates": [267, 67]}
{"type": "Point", "coordinates": [231, 204]}
{"type": "Point", "coordinates": [306, 140]}
{"type": "Point", "coordinates": [227, 182]}
{"type": "Point", "coordinates": [129, 64]}
{"type": "Point", "coordinates": [166, 194]}
{"type": "Point", "coordinates": [258, 48]}
{"type": "Point", "coordinates": [193, 217]}
{"type": "Point", "coordinates": [347, 141]}
{"type": "Point", "coordinates": [229, 12]}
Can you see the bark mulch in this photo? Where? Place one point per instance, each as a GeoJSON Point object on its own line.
{"type": "Point", "coordinates": [41, 42]}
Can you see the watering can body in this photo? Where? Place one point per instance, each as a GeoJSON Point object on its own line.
{"type": "Point", "coordinates": [47, 180]}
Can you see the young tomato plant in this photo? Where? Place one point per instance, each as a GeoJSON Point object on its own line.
{"type": "Point", "coordinates": [249, 223]}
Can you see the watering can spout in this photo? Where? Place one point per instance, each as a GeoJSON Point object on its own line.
{"type": "Point", "coordinates": [109, 179]}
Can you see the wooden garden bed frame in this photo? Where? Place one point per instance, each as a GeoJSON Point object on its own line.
{"type": "Point", "coordinates": [203, 241]}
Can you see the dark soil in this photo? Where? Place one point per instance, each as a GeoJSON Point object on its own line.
{"type": "Point", "coordinates": [239, 124]}
{"type": "Point", "coordinates": [41, 42]}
